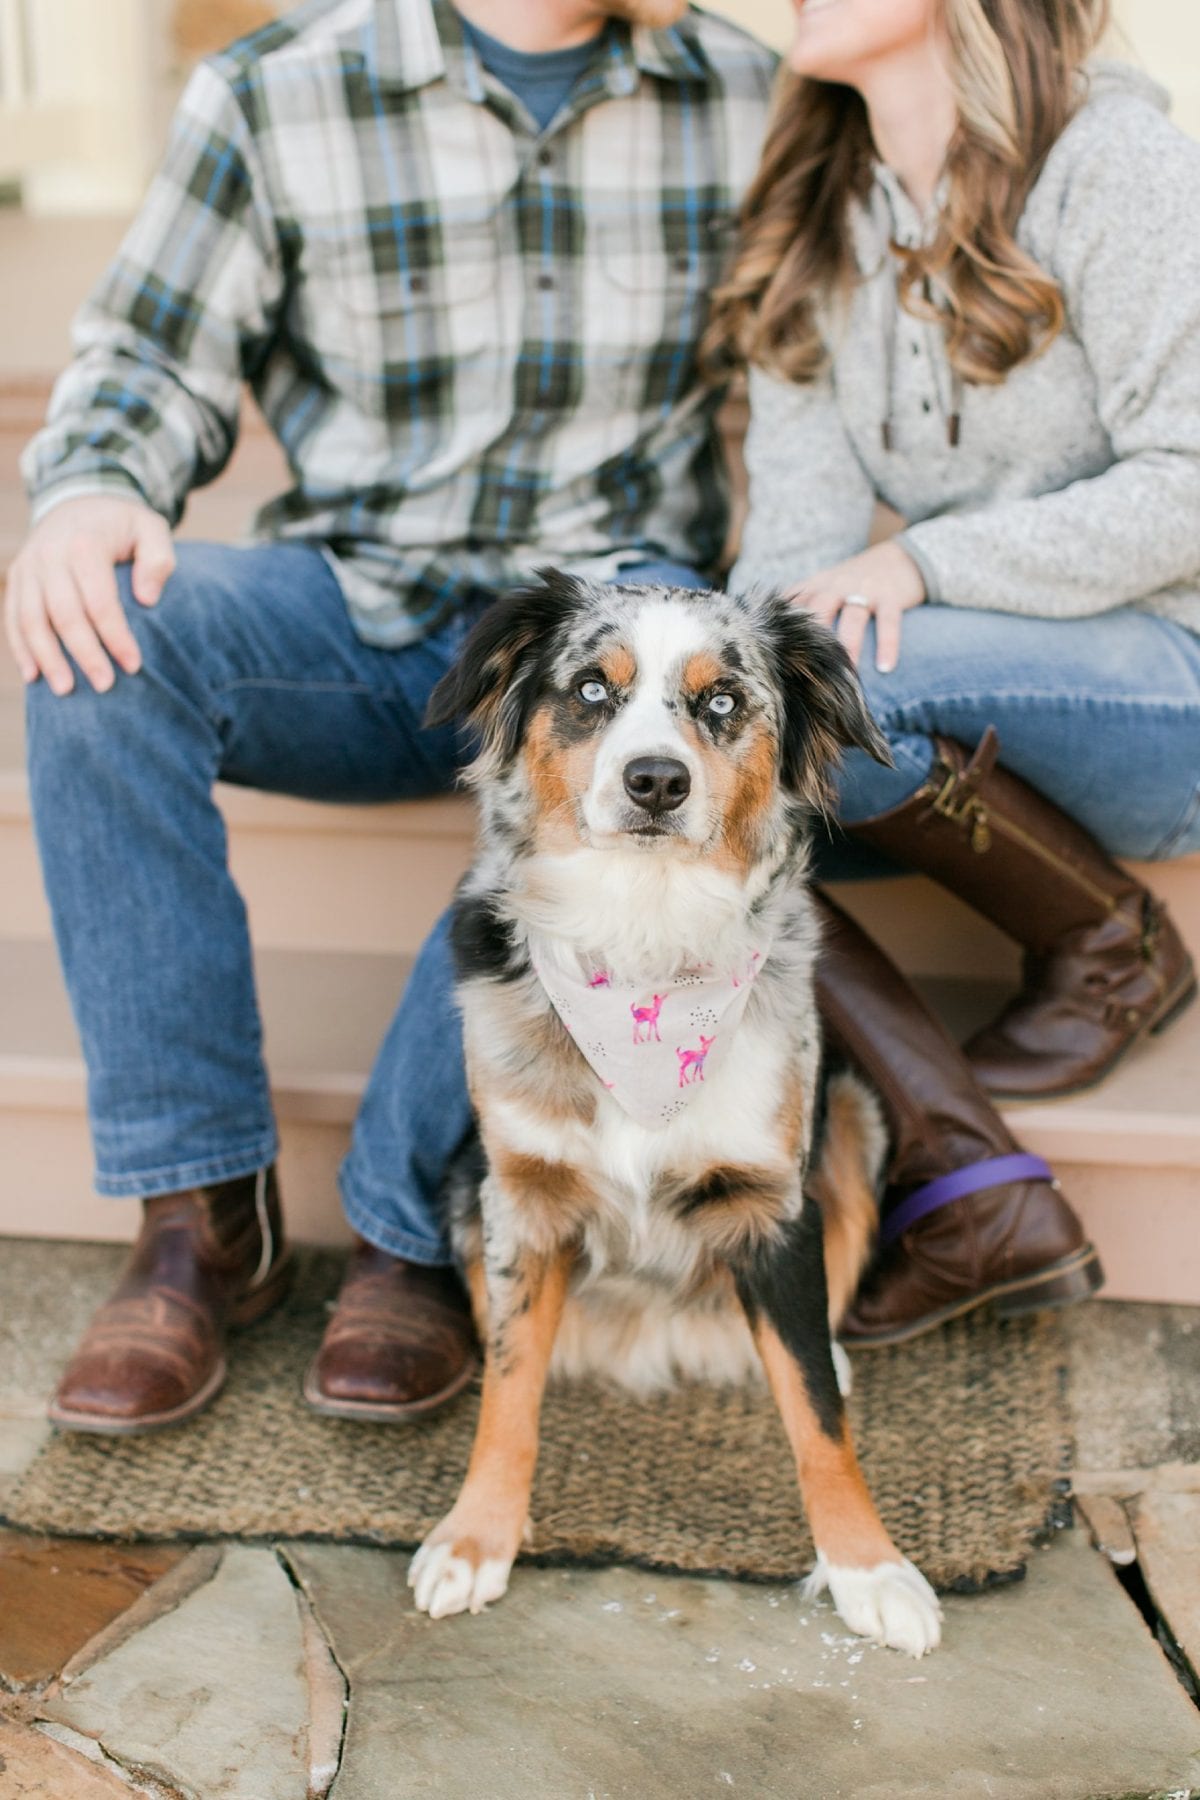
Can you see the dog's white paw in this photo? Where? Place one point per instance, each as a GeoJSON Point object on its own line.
{"type": "Point", "coordinates": [841, 1368]}
{"type": "Point", "coordinates": [445, 1581]}
{"type": "Point", "coordinates": [892, 1603]}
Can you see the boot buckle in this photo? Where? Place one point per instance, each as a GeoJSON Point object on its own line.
{"type": "Point", "coordinates": [963, 809]}
{"type": "Point", "coordinates": [956, 799]}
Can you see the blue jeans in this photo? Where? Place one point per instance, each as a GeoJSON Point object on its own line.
{"type": "Point", "coordinates": [251, 674]}
{"type": "Point", "coordinates": [1102, 715]}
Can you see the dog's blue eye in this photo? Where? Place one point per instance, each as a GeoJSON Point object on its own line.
{"type": "Point", "coordinates": [594, 692]}
{"type": "Point", "coordinates": [722, 705]}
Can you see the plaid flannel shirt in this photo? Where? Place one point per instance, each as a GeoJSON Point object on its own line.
{"type": "Point", "coordinates": [474, 341]}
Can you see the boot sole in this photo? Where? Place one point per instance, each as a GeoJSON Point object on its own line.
{"type": "Point", "coordinates": [368, 1412]}
{"type": "Point", "coordinates": [1173, 1007]}
{"type": "Point", "coordinates": [1063, 1283]}
{"type": "Point", "coordinates": [252, 1307]}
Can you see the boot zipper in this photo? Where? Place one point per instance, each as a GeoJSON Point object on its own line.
{"type": "Point", "coordinates": [974, 815]}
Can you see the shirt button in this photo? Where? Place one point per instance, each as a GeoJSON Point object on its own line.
{"type": "Point", "coordinates": [545, 158]}
{"type": "Point", "coordinates": [417, 284]}
{"type": "Point", "coordinates": [681, 264]}
{"type": "Point", "coordinates": [926, 406]}
{"type": "Point", "coordinates": [545, 282]}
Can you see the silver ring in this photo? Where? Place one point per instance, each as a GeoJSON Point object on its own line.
{"type": "Point", "coordinates": [856, 600]}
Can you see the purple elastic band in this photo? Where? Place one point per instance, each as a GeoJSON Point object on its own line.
{"type": "Point", "coordinates": [1020, 1166]}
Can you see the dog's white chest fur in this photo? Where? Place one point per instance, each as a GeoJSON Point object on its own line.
{"type": "Point", "coordinates": [639, 1312]}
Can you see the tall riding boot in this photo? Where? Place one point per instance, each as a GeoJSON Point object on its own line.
{"type": "Point", "coordinates": [967, 1218]}
{"type": "Point", "coordinates": [1104, 966]}
{"type": "Point", "coordinates": [206, 1259]}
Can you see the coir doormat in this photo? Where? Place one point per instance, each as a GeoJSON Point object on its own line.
{"type": "Point", "coordinates": [962, 1434]}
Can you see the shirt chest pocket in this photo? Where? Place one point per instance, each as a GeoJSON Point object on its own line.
{"type": "Point", "coordinates": [403, 315]}
{"type": "Point", "coordinates": [656, 296]}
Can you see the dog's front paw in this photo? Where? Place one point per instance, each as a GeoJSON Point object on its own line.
{"type": "Point", "coordinates": [452, 1573]}
{"type": "Point", "coordinates": [892, 1603]}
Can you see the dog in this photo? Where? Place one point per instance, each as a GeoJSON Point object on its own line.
{"type": "Point", "coordinates": [669, 1185]}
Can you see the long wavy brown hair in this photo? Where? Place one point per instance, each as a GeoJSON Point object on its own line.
{"type": "Point", "coordinates": [1016, 66]}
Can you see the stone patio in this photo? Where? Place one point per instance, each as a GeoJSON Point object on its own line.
{"type": "Point", "coordinates": [297, 1671]}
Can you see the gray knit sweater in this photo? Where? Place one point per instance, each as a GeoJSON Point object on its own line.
{"type": "Point", "coordinates": [1075, 485]}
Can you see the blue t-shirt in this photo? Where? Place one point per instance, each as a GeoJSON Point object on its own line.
{"type": "Point", "coordinates": [540, 79]}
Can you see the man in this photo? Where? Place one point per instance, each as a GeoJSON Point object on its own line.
{"type": "Point", "coordinates": [462, 257]}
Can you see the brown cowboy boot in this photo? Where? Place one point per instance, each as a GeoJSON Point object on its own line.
{"type": "Point", "coordinates": [400, 1342]}
{"type": "Point", "coordinates": [967, 1218]}
{"type": "Point", "coordinates": [205, 1260]}
{"type": "Point", "coordinates": [1104, 965]}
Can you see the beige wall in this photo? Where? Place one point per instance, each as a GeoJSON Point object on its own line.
{"type": "Point", "coordinates": [1162, 35]}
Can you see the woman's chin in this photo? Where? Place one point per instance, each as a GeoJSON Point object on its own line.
{"type": "Point", "coordinates": [820, 60]}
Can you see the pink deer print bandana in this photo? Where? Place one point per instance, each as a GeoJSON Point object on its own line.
{"type": "Point", "coordinates": [652, 1045]}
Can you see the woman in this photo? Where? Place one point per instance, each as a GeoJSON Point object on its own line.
{"type": "Point", "coordinates": [968, 286]}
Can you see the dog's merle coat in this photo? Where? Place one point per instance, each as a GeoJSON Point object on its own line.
{"type": "Point", "coordinates": [593, 1241]}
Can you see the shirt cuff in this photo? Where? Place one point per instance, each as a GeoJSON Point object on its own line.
{"type": "Point", "coordinates": [909, 543]}
{"type": "Point", "coordinates": [83, 487]}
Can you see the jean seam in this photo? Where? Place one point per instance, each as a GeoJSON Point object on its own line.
{"type": "Point", "coordinates": [169, 1178]}
{"type": "Point", "coordinates": [293, 684]}
{"type": "Point", "coordinates": [905, 710]}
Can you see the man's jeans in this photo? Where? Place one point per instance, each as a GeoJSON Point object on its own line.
{"type": "Point", "coordinates": [252, 674]}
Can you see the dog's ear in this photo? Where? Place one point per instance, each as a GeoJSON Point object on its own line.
{"type": "Point", "coordinates": [824, 711]}
{"type": "Point", "coordinates": [495, 680]}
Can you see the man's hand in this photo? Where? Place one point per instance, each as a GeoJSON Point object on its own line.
{"type": "Point", "coordinates": [884, 582]}
{"type": "Point", "coordinates": [62, 591]}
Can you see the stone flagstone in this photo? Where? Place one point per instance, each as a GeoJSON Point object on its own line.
{"type": "Point", "coordinates": [328, 1698]}
{"type": "Point", "coordinates": [34, 1767]}
{"type": "Point", "coordinates": [56, 1593]}
{"type": "Point", "coordinates": [1167, 1530]}
{"type": "Point", "coordinates": [617, 1683]}
{"type": "Point", "coordinates": [212, 1696]}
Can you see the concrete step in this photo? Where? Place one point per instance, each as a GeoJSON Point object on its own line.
{"type": "Point", "coordinates": [374, 878]}
{"type": "Point", "coordinates": [1128, 1155]}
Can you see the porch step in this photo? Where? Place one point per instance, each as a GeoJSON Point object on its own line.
{"type": "Point", "coordinates": [1129, 1155]}
{"type": "Point", "coordinates": [374, 878]}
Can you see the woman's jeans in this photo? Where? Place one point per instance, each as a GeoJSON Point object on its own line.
{"type": "Point", "coordinates": [252, 673]}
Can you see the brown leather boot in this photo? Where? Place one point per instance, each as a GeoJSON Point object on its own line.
{"type": "Point", "coordinates": [1104, 965]}
{"type": "Point", "coordinates": [400, 1342]}
{"type": "Point", "coordinates": [206, 1260]}
{"type": "Point", "coordinates": [967, 1218]}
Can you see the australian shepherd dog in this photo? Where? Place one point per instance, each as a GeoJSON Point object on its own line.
{"type": "Point", "coordinates": [669, 1185]}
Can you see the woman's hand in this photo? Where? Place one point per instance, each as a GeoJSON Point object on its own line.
{"type": "Point", "coordinates": [883, 583]}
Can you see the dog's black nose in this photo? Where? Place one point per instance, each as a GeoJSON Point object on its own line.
{"type": "Point", "coordinates": [659, 783]}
